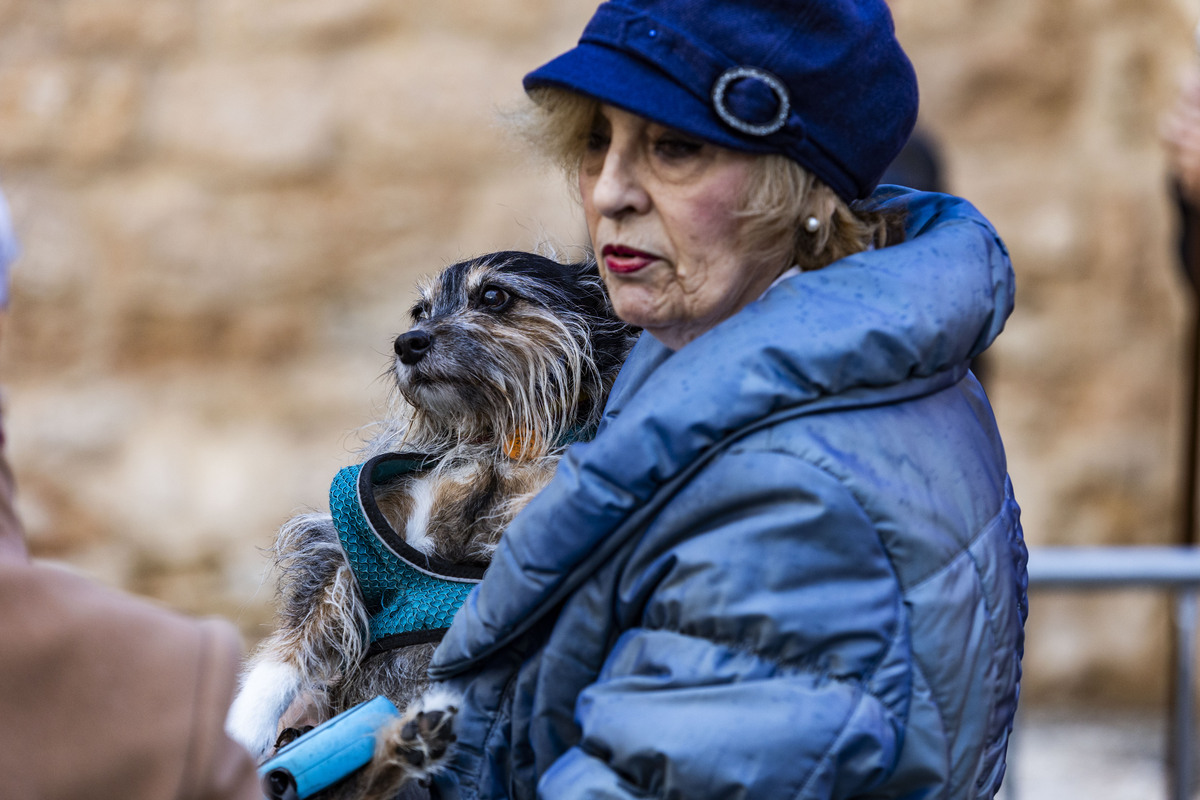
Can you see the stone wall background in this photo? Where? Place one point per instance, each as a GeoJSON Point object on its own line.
{"type": "Point", "coordinates": [224, 206]}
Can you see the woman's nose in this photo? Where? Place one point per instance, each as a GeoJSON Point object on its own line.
{"type": "Point", "coordinates": [619, 189]}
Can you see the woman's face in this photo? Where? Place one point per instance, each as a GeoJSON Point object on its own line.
{"type": "Point", "coordinates": [661, 210]}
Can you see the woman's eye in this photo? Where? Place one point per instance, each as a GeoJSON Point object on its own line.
{"type": "Point", "coordinates": [596, 141]}
{"type": "Point", "coordinates": [495, 298]}
{"type": "Point", "coordinates": [675, 147]}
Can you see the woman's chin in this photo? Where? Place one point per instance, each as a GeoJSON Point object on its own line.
{"type": "Point", "coordinates": [671, 333]}
{"type": "Point", "coordinates": [673, 330]}
{"type": "Point", "coordinates": [639, 305]}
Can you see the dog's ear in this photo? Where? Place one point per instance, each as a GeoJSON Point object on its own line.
{"type": "Point", "coordinates": [584, 269]}
{"type": "Point", "coordinates": [583, 281]}
{"type": "Point", "coordinates": [611, 338]}
{"type": "Point", "coordinates": [584, 274]}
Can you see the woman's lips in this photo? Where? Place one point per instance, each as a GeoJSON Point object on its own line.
{"type": "Point", "coordinates": [621, 259]}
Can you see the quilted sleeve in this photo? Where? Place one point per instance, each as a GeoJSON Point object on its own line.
{"type": "Point", "coordinates": [766, 656]}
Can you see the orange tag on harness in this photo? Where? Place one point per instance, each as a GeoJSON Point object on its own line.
{"type": "Point", "coordinates": [521, 445]}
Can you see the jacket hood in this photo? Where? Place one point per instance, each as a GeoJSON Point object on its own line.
{"type": "Point", "coordinates": [880, 326]}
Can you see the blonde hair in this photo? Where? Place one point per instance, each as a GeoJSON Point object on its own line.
{"type": "Point", "coordinates": [782, 195]}
{"type": "Point", "coordinates": [556, 123]}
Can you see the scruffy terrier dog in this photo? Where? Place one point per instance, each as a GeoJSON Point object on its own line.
{"type": "Point", "coordinates": [509, 359]}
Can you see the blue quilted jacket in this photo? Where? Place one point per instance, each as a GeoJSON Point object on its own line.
{"type": "Point", "coordinates": [789, 566]}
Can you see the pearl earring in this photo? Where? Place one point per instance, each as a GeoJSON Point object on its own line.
{"type": "Point", "coordinates": [812, 224]}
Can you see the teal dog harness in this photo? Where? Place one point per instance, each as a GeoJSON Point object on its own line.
{"type": "Point", "coordinates": [411, 597]}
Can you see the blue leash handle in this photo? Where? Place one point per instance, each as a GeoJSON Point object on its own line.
{"type": "Point", "coordinates": [328, 753]}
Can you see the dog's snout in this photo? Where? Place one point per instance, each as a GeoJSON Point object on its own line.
{"type": "Point", "coordinates": [411, 347]}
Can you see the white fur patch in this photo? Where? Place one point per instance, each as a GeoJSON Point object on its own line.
{"type": "Point", "coordinates": [416, 527]}
{"type": "Point", "coordinates": [268, 688]}
{"type": "Point", "coordinates": [438, 698]}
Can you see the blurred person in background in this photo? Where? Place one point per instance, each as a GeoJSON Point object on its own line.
{"type": "Point", "coordinates": [1180, 133]}
{"type": "Point", "coordinates": [1181, 136]}
{"type": "Point", "coordinates": [104, 695]}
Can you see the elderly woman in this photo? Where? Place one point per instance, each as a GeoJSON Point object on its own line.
{"type": "Point", "coordinates": [790, 564]}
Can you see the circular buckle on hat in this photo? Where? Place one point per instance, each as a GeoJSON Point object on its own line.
{"type": "Point", "coordinates": [772, 82]}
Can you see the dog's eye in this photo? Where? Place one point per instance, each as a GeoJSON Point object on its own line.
{"type": "Point", "coordinates": [418, 313]}
{"type": "Point", "coordinates": [494, 298]}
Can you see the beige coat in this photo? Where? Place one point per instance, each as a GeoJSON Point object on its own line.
{"type": "Point", "coordinates": [103, 695]}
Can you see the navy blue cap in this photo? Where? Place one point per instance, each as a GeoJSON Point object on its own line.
{"type": "Point", "coordinates": [823, 82]}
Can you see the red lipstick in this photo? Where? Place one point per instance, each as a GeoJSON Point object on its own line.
{"type": "Point", "coordinates": [621, 259]}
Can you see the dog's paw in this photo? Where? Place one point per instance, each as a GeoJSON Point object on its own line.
{"type": "Point", "coordinates": [422, 740]}
{"type": "Point", "coordinates": [267, 690]}
{"type": "Point", "coordinates": [417, 745]}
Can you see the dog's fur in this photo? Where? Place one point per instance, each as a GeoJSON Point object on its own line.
{"type": "Point", "coordinates": [508, 354]}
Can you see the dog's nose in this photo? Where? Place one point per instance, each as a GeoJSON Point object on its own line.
{"type": "Point", "coordinates": [412, 346]}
